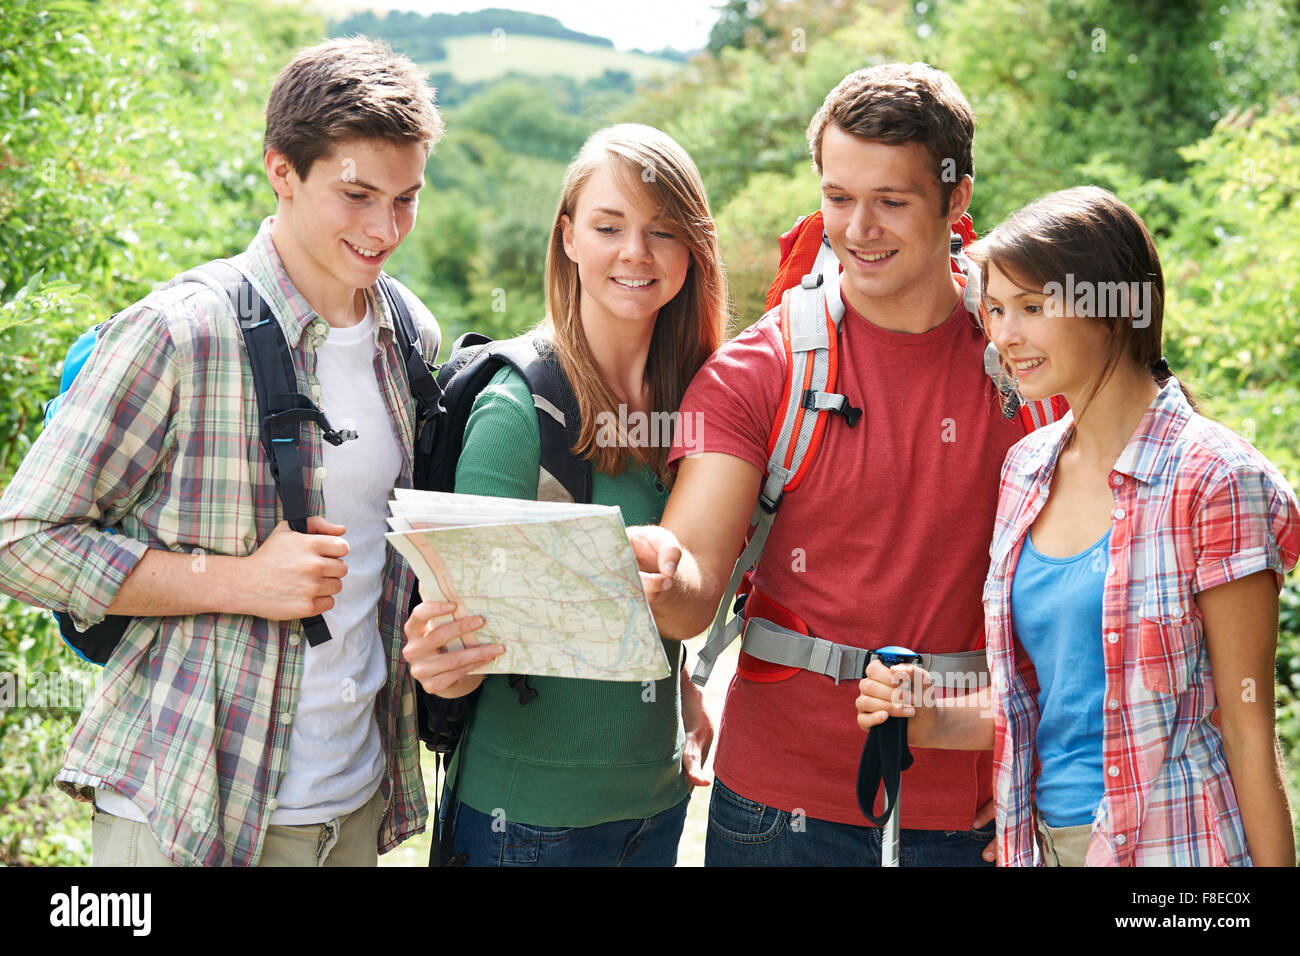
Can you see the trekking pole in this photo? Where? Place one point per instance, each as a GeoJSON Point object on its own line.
{"type": "Point", "coordinates": [889, 838]}
{"type": "Point", "coordinates": [884, 758]}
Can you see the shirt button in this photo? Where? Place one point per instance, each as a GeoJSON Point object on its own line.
{"type": "Point", "coordinates": [1113, 771]}
{"type": "Point", "coordinates": [1113, 705]}
{"type": "Point", "coordinates": [1118, 514]}
{"type": "Point", "coordinates": [1112, 637]}
{"type": "Point", "coordinates": [287, 718]}
{"type": "Point", "coordinates": [1117, 480]}
{"type": "Point", "coordinates": [294, 640]}
{"type": "Point", "coordinates": [274, 804]}
{"type": "Point", "coordinates": [321, 472]}
{"type": "Point", "coordinates": [1121, 839]}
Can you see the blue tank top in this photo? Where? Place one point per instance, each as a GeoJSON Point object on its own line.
{"type": "Point", "coordinates": [1056, 611]}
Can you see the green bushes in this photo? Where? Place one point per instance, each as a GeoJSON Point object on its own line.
{"type": "Point", "coordinates": [42, 688]}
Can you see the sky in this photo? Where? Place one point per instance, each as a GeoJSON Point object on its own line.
{"type": "Point", "coordinates": [643, 24]}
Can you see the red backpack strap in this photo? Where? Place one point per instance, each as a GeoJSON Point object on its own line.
{"type": "Point", "coordinates": [799, 249]}
{"type": "Point", "coordinates": [1036, 414]}
{"type": "Point", "coordinates": [811, 347]}
{"type": "Point", "coordinates": [810, 315]}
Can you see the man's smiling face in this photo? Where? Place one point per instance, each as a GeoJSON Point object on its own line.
{"type": "Point", "coordinates": [882, 211]}
{"type": "Point", "coordinates": [337, 226]}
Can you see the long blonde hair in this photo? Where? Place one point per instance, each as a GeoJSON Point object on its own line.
{"type": "Point", "coordinates": [688, 329]}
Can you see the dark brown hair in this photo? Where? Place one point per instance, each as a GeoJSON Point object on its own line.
{"type": "Point", "coordinates": [355, 88]}
{"type": "Point", "coordinates": [688, 329]}
{"type": "Point", "coordinates": [900, 103]}
{"type": "Point", "coordinates": [1087, 238]}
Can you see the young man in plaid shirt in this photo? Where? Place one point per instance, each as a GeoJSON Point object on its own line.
{"type": "Point", "coordinates": [217, 735]}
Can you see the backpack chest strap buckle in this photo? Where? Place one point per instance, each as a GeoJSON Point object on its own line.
{"type": "Point", "coordinates": [831, 402]}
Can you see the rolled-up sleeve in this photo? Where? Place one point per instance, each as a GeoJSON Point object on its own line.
{"type": "Point", "coordinates": [1247, 521]}
{"type": "Point", "coordinates": [86, 470]}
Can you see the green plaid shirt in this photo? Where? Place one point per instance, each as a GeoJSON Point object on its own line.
{"type": "Point", "coordinates": [158, 439]}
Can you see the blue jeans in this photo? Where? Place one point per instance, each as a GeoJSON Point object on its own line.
{"type": "Point", "coordinates": [488, 840]}
{"type": "Point", "coordinates": [745, 833]}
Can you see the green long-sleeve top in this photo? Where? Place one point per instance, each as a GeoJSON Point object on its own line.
{"type": "Point", "coordinates": [581, 752]}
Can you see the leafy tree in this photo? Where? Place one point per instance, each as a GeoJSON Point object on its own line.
{"type": "Point", "coordinates": [739, 21]}
{"type": "Point", "coordinates": [1065, 84]}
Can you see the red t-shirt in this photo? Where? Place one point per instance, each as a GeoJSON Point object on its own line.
{"type": "Point", "coordinates": [885, 542]}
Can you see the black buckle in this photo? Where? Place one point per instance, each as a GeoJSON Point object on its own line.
{"type": "Point", "coordinates": [340, 436]}
{"type": "Point", "coordinates": [848, 412]}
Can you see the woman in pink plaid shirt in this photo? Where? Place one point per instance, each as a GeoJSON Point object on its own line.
{"type": "Point", "coordinates": [1131, 604]}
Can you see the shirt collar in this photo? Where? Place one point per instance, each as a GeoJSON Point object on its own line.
{"type": "Point", "coordinates": [288, 304]}
{"type": "Point", "coordinates": [1147, 450]}
{"type": "Point", "coordinates": [1146, 453]}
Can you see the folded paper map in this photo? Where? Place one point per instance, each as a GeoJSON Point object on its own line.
{"type": "Point", "coordinates": [557, 583]}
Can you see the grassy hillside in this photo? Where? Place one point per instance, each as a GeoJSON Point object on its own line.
{"type": "Point", "coordinates": [476, 58]}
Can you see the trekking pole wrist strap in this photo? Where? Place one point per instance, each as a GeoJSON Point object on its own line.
{"type": "Point", "coordinates": [885, 756]}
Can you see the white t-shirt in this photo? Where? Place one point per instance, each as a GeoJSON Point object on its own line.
{"type": "Point", "coordinates": [335, 759]}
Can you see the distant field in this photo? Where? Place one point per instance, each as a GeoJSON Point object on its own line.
{"type": "Point", "coordinates": [474, 58]}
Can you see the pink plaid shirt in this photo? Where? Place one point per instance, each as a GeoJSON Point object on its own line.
{"type": "Point", "coordinates": [1195, 506]}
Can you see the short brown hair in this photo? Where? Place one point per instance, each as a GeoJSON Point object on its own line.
{"type": "Point", "coordinates": [688, 329]}
{"type": "Point", "coordinates": [356, 88]}
{"type": "Point", "coordinates": [1088, 237]}
{"type": "Point", "coordinates": [899, 103]}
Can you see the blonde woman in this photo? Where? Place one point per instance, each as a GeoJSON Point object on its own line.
{"type": "Point", "coordinates": [589, 772]}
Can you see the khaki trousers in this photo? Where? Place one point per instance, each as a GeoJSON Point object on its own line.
{"type": "Point", "coordinates": [347, 840]}
{"type": "Point", "coordinates": [1062, 846]}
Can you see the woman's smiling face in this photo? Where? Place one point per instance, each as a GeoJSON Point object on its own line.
{"type": "Point", "coordinates": [1052, 350]}
{"type": "Point", "coordinates": [630, 262]}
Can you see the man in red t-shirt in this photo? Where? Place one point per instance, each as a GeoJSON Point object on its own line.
{"type": "Point", "coordinates": [886, 540]}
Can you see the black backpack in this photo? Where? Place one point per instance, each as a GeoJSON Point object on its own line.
{"type": "Point", "coordinates": [283, 408]}
{"type": "Point", "coordinates": [562, 476]}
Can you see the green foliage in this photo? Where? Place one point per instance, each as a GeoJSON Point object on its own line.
{"type": "Point", "coordinates": [419, 36]}
{"type": "Point", "coordinates": [107, 183]}
{"type": "Point", "coordinates": [739, 23]}
{"type": "Point", "coordinates": [747, 111]}
{"type": "Point", "coordinates": [1067, 84]}
{"type": "Point", "coordinates": [42, 685]}
{"type": "Point", "coordinates": [36, 327]}
{"type": "Point", "coordinates": [748, 229]}
{"type": "Point", "coordinates": [513, 115]}
{"type": "Point", "coordinates": [1233, 310]}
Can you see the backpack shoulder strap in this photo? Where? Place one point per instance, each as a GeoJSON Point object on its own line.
{"type": "Point", "coordinates": [420, 378]}
{"type": "Point", "coordinates": [282, 407]}
{"type": "Point", "coordinates": [811, 313]}
{"type": "Point", "coordinates": [562, 476]}
{"type": "Point", "coordinates": [800, 248]}
{"type": "Point", "coordinates": [424, 387]}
